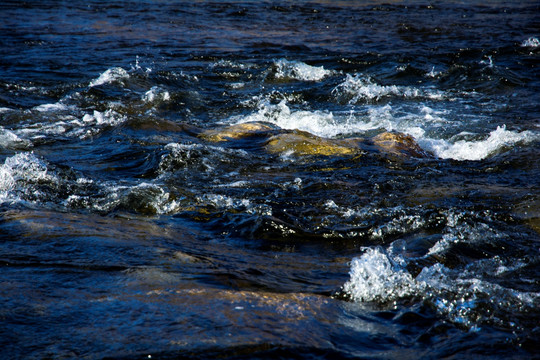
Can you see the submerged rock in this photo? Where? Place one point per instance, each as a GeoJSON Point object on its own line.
{"type": "Point", "coordinates": [303, 143]}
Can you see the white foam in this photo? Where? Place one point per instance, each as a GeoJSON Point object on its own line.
{"type": "Point", "coordinates": [531, 42]}
{"type": "Point", "coordinates": [300, 71]}
{"type": "Point", "coordinates": [4, 109]}
{"type": "Point", "coordinates": [320, 123]}
{"type": "Point", "coordinates": [51, 107]}
{"type": "Point", "coordinates": [109, 76]}
{"type": "Point", "coordinates": [376, 276]}
{"type": "Point", "coordinates": [156, 94]}
{"type": "Point", "coordinates": [362, 88]}
{"type": "Point", "coordinates": [477, 150]}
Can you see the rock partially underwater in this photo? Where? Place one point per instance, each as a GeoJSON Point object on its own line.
{"type": "Point", "coordinates": [238, 131]}
{"type": "Point", "coordinates": [303, 143]}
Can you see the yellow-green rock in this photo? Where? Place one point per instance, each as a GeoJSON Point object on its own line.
{"type": "Point", "coordinates": [303, 143]}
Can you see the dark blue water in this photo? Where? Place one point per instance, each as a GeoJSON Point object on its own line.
{"type": "Point", "coordinates": [269, 179]}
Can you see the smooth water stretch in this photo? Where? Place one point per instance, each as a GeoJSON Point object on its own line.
{"type": "Point", "coordinates": [269, 179]}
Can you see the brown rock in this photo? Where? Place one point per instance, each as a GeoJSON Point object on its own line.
{"type": "Point", "coordinates": [237, 131]}
{"type": "Point", "coordinates": [395, 143]}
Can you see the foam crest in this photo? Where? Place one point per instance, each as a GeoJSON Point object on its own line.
{"type": "Point", "coordinates": [109, 76]}
{"type": "Point", "coordinates": [320, 123]}
{"type": "Point", "coordinates": [360, 88]}
{"type": "Point", "coordinates": [477, 150]}
{"type": "Point", "coordinates": [300, 71]}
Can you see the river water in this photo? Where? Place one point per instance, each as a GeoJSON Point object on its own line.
{"type": "Point", "coordinates": [126, 233]}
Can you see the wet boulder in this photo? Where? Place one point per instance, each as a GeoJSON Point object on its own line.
{"type": "Point", "coordinates": [303, 143]}
{"type": "Point", "coordinates": [400, 144]}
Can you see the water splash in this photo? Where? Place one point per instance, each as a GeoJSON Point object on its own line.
{"type": "Point", "coordinates": [480, 149]}
{"type": "Point", "coordinates": [359, 88]}
{"type": "Point", "coordinates": [298, 70]}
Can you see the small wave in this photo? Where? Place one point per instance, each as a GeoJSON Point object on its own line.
{"type": "Point", "coordinates": [532, 42]}
{"type": "Point", "coordinates": [477, 150]}
{"type": "Point", "coordinates": [10, 140]}
{"type": "Point", "coordinates": [359, 88]}
{"type": "Point", "coordinates": [300, 71]}
{"type": "Point", "coordinates": [68, 125]}
{"type": "Point", "coordinates": [144, 198]}
{"type": "Point", "coordinates": [204, 158]}
{"type": "Point", "coordinates": [109, 76]}
{"type": "Point", "coordinates": [51, 107]}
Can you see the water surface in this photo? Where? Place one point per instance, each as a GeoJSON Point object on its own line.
{"type": "Point", "coordinates": [126, 233]}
